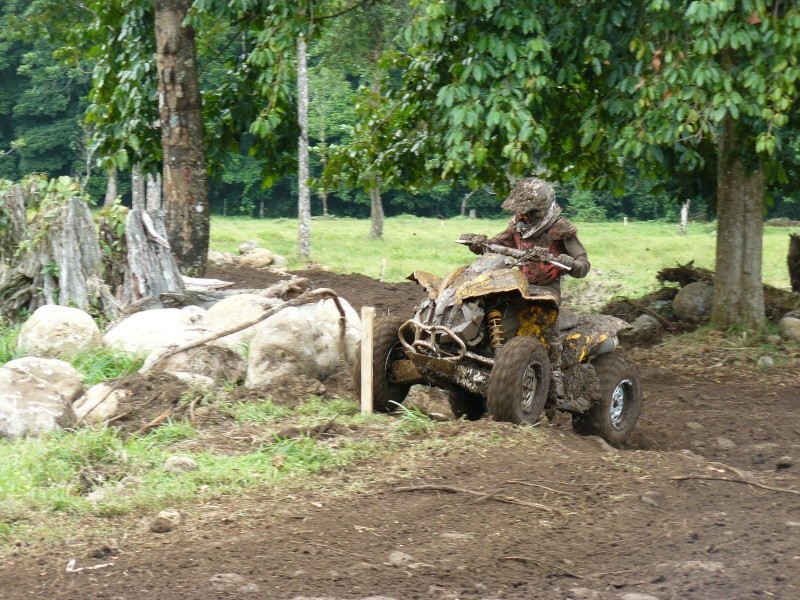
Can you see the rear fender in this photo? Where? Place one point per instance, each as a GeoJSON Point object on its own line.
{"type": "Point", "coordinates": [594, 335]}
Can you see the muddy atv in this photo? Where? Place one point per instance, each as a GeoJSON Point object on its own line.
{"type": "Point", "coordinates": [504, 347]}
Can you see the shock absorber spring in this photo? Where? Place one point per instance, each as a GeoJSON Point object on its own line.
{"type": "Point", "coordinates": [497, 336]}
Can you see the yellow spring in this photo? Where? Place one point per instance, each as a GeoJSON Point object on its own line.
{"type": "Point", "coordinates": [497, 337]}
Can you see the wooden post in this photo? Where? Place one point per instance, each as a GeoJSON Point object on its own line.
{"type": "Point", "coordinates": [473, 214]}
{"type": "Point", "coordinates": [625, 221]}
{"type": "Point", "coordinates": [685, 216]}
{"type": "Point", "coordinates": [383, 269]}
{"type": "Point", "coordinates": [367, 324]}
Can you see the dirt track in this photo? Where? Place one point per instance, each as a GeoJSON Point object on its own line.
{"type": "Point", "coordinates": [547, 514]}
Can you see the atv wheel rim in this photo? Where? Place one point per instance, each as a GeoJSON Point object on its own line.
{"type": "Point", "coordinates": [530, 383]}
{"type": "Point", "coordinates": [618, 398]}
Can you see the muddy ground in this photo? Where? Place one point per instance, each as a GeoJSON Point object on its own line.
{"type": "Point", "coordinates": [704, 503]}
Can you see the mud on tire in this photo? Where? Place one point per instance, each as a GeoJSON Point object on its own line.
{"type": "Point", "coordinates": [466, 404]}
{"type": "Point", "coordinates": [520, 380]}
{"type": "Point", "coordinates": [386, 347]}
{"type": "Point", "coordinates": [614, 416]}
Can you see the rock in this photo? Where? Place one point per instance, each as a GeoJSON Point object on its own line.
{"type": "Point", "coordinates": [57, 331]}
{"type": "Point", "coordinates": [258, 258]}
{"type": "Point", "coordinates": [302, 341]}
{"type": "Point", "coordinates": [789, 328]}
{"type": "Point", "coordinates": [694, 426]}
{"type": "Point", "coordinates": [775, 340]}
{"type": "Point", "coordinates": [194, 380]}
{"type": "Point", "coordinates": [693, 302]}
{"type": "Point", "coordinates": [232, 311]}
{"type": "Point", "coordinates": [664, 309]}
{"type": "Point", "coordinates": [784, 462]}
{"type": "Point", "coordinates": [455, 536]}
{"type": "Point", "coordinates": [400, 559]}
{"type": "Point", "coordinates": [100, 403]}
{"type": "Point", "coordinates": [195, 314]}
{"type": "Point", "coordinates": [765, 362]}
{"type": "Point", "coordinates": [145, 331]}
{"type": "Point", "coordinates": [725, 443]}
{"type": "Point", "coordinates": [30, 405]}
{"type": "Point", "coordinates": [165, 521]}
{"type": "Point", "coordinates": [637, 596]}
{"type": "Point", "coordinates": [690, 454]}
{"type": "Point", "coordinates": [700, 565]}
{"type": "Point", "coordinates": [583, 594]}
{"type": "Point", "coordinates": [279, 262]}
{"type": "Point", "coordinates": [130, 481]}
{"type": "Point", "coordinates": [216, 362]}
{"type": "Point", "coordinates": [58, 373]}
{"type": "Point", "coordinates": [248, 246]}
{"type": "Point", "coordinates": [233, 582]}
{"type": "Point", "coordinates": [644, 329]}
{"type": "Point", "coordinates": [180, 464]}
{"type": "Point", "coordinates": [652, 498]}
{"type": "Point", "coordinates": [222, 259]}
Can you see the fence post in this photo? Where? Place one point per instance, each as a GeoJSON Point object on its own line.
{"type": "Point", "coordinates": [367, 325]}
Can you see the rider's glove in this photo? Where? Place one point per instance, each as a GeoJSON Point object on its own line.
{"type": "Point", "coordinates": [566, 260]}
{"type": "Point", "coordinates": [476, 242]}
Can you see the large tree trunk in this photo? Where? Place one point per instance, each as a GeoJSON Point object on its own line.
{"type": "Point", "coordinates": [304, 198]}
{"type": "Point", "coordinates": [182, 140]}
{"type": "Point", "coordinates": [375, 211]}
{"type": "Point", "coordinates": [111, 187]}
{"type": "Point", "coordinates": [738, 293]}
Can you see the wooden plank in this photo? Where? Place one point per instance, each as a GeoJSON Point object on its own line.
{"type": "Point", "coordinates": [367, 325]}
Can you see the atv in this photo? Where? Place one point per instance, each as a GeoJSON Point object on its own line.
{"type": "Point", "coordinates": [504, 347]}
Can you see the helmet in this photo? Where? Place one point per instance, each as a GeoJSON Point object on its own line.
{"type": "Point", "coordinates": [530, 195]}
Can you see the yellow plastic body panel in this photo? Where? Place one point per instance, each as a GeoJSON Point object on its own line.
{"type": "Point", "coordinates": [432, 283]}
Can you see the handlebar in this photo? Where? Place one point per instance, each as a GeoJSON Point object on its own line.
{"type": "Point", "coordinates": [539, 254]}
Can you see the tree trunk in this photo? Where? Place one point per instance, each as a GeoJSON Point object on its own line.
{"type": "Point", "coordinates": [111, 187]}
{"type": "Point", "coordinates": [138, 196]}
{"type": "Point", "coordinates": [323, 159]}
{"type": "Point", "coordinates": [182, 140]}
{"type": "Point", "coordinates": [304, 199]}
{"type": "Point", "coordinates": [153, 200]}
{"type": "Point", "coordinates": [375, 211]}
{"type": "Point", "coordinates": [738, 293]}
{"type": "Point", "coordinates": [464, 201]}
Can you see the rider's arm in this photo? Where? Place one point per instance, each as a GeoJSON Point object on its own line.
{"type": "Point", "coordinates": [505, 237]}
{"type": "Point", "coordinates": [575, 249]}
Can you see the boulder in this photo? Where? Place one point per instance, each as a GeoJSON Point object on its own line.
{"type": "Point", "coordinates": [258, 258]}
{"type": "Point", "coordinates": [30, 405]}
{"type": "Point", "coordinates": [58, 373]}
{"type": "Point", "coordinates": [195, 314]}
{"type": "Point", "coordinates": [693, 302]}
{"type": "Point", "coordinates": [217, 362]}
{"type": "Point", "coordinates": [302, 341]}
{"type": "Point", "coordinates": [234, 310]}
{"type": "Point", "coordinates": [790, 328]}
{"type": "Point", "coordinates": [248, 246]}
{"type": "Point", "coordinates": [221, 258]}
{"type": "Point", "coordinates": [279, 262]}
{"type": "Point", "coordinates": [57, 331]}
{"type": "Point", "coordinates": [100, 403]}
{"type": "Point", "coordinates": [145, 331]}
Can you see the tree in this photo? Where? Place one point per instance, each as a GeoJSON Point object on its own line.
{"type": "Point", "coordinates": [494, 90]}
{"type": "Point", "coordinates": [182, 137]}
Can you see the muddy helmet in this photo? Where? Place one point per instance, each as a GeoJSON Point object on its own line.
{"type": "Point", "coordinates": [530, 195]}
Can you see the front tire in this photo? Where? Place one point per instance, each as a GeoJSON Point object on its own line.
{"type": "Point", "coordinates": [615, 415]}
{"type": "Point", "coordinates": [386, 347]}
{"type": "Point", "coordinates": [520, 380]}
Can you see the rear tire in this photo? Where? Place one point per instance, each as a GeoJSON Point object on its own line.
{"type": "Point", "coordinates": [386, 347]}
{"type": "Point", "coordinates": [466, 404]}
{"type": "Point", "coordinates": [614, 416]}
{"type": "Point", "coordinates": [520, 381]}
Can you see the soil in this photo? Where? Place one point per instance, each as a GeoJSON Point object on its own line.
{"type": "Point", "coordinates": [703, 503]}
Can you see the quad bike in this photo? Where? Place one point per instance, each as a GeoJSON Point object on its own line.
{"type": "Point", "coordinates": [504, 347]}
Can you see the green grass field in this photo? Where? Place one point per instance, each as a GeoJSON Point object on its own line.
{"type": "Point", "coordinates": [628, 255]}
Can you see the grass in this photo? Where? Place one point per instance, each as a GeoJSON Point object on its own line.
{"type": "Point", "coordinates": [629, 255]}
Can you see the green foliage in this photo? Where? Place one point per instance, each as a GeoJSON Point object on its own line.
{"type": "Point", "coordinates": [101, 363]}
{"type": "Point", "coordinates": [8, 343]}
{"type": "Point", "coordinates": [583, 207]}
{"type": "Point", "coordinates": [257, 412]}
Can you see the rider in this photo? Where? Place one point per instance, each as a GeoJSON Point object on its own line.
{"type": "Point", "coordinates": [537, 223]}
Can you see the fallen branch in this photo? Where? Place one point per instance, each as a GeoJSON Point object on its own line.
{"type": "Point", "coordinates": [163, 416]}
{"type": "Point", "coordinates": [305, 298]}
{"type": "Point", "coordinates": [734, 480]}
{"type": "Point", "coordinates": [482, 495]}
{"type": "Point", "coordinates": [543, 564]}
{"type": "Point", "coordinates": [539, 485]}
